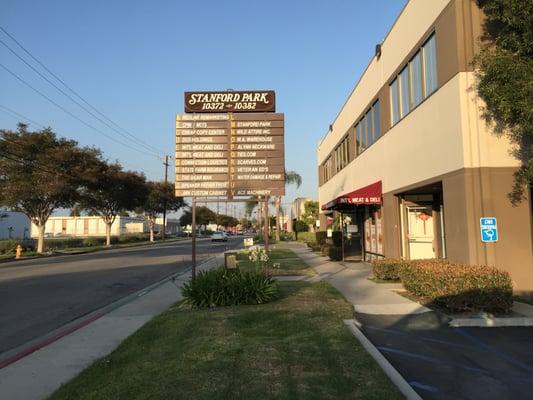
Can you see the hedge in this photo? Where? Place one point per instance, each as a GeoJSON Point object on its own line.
{"type": "Point", "coordinates": [321, 237]}
{"type": "Point", "coordinates": [8, 246]}
{"type": "Point", "coordinates": [458, 287]}
{"type": "Point", "coordinates": [387, 269]}
{"type": "Point", "coordinates": [307, 237]}
{"type": "Point", "coordinates": [336, 237]}
{"type": "Point", "coordinates": [335, 253]}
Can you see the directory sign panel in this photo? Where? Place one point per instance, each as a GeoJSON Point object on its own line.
{"type": "Point", "coordinates": [230, 154]}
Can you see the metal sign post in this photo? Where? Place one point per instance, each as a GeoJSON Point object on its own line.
{"type": "Point", "coordinates": [267, 224]}
{"type": "Point", "coordinates": [193, 235]}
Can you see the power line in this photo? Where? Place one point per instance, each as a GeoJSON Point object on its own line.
{"type": "Point", "coordinates": [68, 96]}
{"type": "Point", "coordinates": [70, 113]}
{"type": "Point", "coordinates": [126, 132]}
{"type": "Point", "coordinates": [17, 116]}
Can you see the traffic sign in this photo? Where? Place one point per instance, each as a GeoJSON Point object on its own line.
{"type": "Point", "coordinates": [489, 229]}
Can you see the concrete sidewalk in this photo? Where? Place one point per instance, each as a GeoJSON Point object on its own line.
{"type": "Point", "coordinates": [39, 374]}
{"type": "Point", "coordinates": [351, 279]}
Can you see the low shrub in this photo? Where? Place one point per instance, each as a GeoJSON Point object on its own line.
{"type": "Point", "coordinates": [458, 287]}
{"type": "Point", "coordinates": [134, 238]}
{"type": "Point", "coordinates": [336, 238]}
{"type": "Point", "coordinates": [387, 269]}
{"type": "Point", "coordinates": [321, 237]}
{"type": "Point", "coordinates": [66, 243]}
{"type": "Point", "coordinates": [324, 250]}
{"type": "Point", "coordinates": [314, 246]}
{"type": "Point", "coordinates": [93, 241]}
{"type": "Point", "coordinates": [287, 236]}
{"type": "Point", "coordinates": [8, 246]}
{"type": "Point", "coordinates": [220, 287]}
{"type": "Point", "coordinates": [335, 253]}
{"type": "Point", "coordinates": [306, 237]}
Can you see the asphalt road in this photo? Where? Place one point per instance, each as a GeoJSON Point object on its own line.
{"type": "Point", "coordinates": [40, 295]}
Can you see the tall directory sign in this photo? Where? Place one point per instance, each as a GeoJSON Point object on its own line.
{"type": "Point", "coordinates": [230, 144]}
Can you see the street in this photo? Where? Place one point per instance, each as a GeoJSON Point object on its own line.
{"type": "Point", "coordinates": [40, 295]}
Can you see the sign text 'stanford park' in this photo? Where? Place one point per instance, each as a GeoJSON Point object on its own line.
{"type": "Point", "coordinates": [230, 154]}
{"type": "Point", "coordinates": [240, 101]}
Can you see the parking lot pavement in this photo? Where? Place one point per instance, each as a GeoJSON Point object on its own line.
{"type": "Point", "coordinates": [440, 362]}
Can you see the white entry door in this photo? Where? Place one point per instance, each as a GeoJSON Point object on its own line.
{"type": "Point", "coordinates": [420, 232]}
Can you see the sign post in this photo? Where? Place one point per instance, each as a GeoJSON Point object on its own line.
{"type": "Point", "coordinates": [230, 144]}
{"type": "Point", "coordinates": [193, 238]}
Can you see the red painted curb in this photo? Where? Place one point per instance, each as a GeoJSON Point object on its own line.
{"type": "Point", "coordinates": [45, 342]}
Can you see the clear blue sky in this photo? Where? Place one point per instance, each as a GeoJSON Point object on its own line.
{"type": "Point", "coordinates": [134, 59]}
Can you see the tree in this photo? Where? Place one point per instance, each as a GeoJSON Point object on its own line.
{"type": "Point", "coordinates": [227, 220]}
{"type": "Point", "coordinates": [160, 197]}
{"type": "Point", "coordinates": [505, 80]}
{"type": "Point", "coordinates": [310, 214]}
{"type": "Point", "coordinates": [291, 178]}
{"type": "Point", "coordinates": [109, 191]}
{"type": "Point", "coordinates": [40, 173]}
{"type": "Point", "coordinates": [204, 216]}
{"type": "Point", "coordinates": [75, 211]}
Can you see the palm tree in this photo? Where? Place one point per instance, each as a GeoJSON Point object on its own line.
{"type": "Point", "coordinates": [291, 178]}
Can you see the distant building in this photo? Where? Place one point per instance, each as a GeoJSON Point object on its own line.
{"type": "Point", "coordinates": [297, 210]}
{"type": "Point", "coordinates": [85, 226]}
{"type": "Point", "coordinates": [14, 225]}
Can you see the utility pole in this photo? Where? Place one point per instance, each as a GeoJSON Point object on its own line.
{"type": "Point", "coordinates": [165, 202]}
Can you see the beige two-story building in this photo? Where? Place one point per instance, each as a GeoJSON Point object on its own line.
{"type": "Point", "coordinates": [409, 160]}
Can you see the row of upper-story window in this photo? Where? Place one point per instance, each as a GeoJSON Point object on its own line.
{"type": "Point", "coordinates": [416, 81]}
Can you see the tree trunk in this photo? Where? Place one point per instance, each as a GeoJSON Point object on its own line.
{"type": "Point", "coordinates": [108, 234]}
{"type": "Point", "coordinates": [278, 217]}
{"type": "Point", "coordinates": [40, 238]}
{"type": "Point", "coordinates": [151, 225]}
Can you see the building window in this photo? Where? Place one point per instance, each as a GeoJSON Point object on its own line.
{"type": "Point", "coordinates": [358, 139]}
{"type": "Point", "coordinates": [430, 65]}
{"type": "Point", "coordinates": [327, 169]}
{"type": "Point", "coordinates": [404, 92]}
{"type": "Point", "coordinates": [416, 81]}
{"type": "Point", "coordinates": [367, 130]}
{"type": "Point", "coordinates": [341, 154]}
{"type": "Point", "coordinates": [417, 92]}
{"type": "Point", "coordinates": [395, 104]}
{"type": "Point", "coordinates": [375, 113]}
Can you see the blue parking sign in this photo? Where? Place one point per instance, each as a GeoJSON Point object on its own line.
{"type": "Point", "coordinates": [489, 229]}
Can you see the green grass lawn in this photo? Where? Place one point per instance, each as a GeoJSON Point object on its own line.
{"type": "Point", "coordinates": [290, 263]}
{"type": "Point", "coordinates": [294, 348]}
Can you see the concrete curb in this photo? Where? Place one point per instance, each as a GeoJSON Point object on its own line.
{"type": "Point", "coordinates": [402, 385]}
{"type": "Point", "coordinates": [391, 309]}
{"type": "Point", "coordinates": [491, 322]}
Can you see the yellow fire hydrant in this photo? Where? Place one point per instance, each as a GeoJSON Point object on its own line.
{"type": "Point", "coordinates": [18, 253]}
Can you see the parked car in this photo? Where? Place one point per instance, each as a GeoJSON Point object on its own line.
{"type": "Point", "coordinates": [219, 237]}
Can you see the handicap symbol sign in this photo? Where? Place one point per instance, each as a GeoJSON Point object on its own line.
{"type": "Point", "coordinates": [489, 229]}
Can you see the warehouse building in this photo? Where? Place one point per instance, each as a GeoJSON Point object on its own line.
{"type": "Point", "coordinates": [409, 161]}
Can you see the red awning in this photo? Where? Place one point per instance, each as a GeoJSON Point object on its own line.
{"type": "Point", "coordinates": [370, 194]}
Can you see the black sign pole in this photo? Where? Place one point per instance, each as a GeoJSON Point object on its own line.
{"type": "Point", "coordinates": [193, 234]}
{"type": "Point", "coordinates": [267, 224]}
